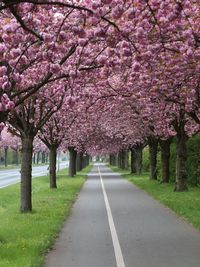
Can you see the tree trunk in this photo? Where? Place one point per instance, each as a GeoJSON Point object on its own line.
{"type": "Point", "coordinates": [123, 159]}
{"type": "Point", "coordinates": [110, 159]}
{"type": "Point", "coordinates": [26, 174]}
{"type": "Point", "coordinates": [165, 159]}
{"type": "Point", "coordinates": [119, 159]}
{"type": "Point", "coordinates": [17, 157]}
{"type": "Point", "coordinates": [38, 157]}
{"type": "Point", "coordinates": [133, 157]}
{"type": "Point", "coordinates": [153, 148]}
{"type": "Point", "coordinates": [114, 159]}
{"type": "Point", "coordinates": [87, 160]}
{"type": "Point", "coordinates": [6, 156]}
{"type": "Point", "coordinates": [52, 166]}
{"type": "Point", "coordinates": [79, 162]}
{"type": "Point", "coordinates": [126, 159]}
{"type": "Point", "coordinates": [84, 161]}
{"type": "Point", "coordinates": [47, 158]}
{"type": "Point", "coordinates": [43, 157]}
{"type": "Point", "coordinates": [136, 159]}
{"type": "Point", "coordinates": [181, 156]}
{"type": "Point", "coordinates": [72, 161]}
{"type": "Point", "coordinates": [34, 158]}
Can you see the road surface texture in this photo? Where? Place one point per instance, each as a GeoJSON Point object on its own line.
{"type": "Point", "coordinates": [115, 224]}
{"type": "Point", "coordinates": [9, 177]}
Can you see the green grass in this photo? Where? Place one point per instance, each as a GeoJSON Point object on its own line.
{"type": "Point", "coordinates": [14, 166]}
{"type": "Point", "coordinates": [25, 238]}
{"type": "Point", "coordinates": [185, 204]}
{"type": "Point", "coordinates": [9, 167]}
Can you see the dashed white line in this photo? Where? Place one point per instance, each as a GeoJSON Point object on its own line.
{"type": "Point", "coordinates": [117, 248]}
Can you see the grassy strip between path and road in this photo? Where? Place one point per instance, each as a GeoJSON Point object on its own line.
{"type": "Point", "coordinates": [25, 238]}
{"type": "Point", "coordinates": [185, 204]}
{"type": "Point", "coordinates": [13, 167]}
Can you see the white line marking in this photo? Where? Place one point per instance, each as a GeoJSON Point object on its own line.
{"type": "Point", "coordinates": [117, 249]}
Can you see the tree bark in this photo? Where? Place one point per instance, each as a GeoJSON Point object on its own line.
{"type": "Point", "coordinates": [119, 159]}
{"type": "Point", "coordinates": [6, 156]}
{"type": "Point", "coordinates": [136, 159]}
{"type": "Point", "coordinates": [26, 174]}
{"type": "Point", "coordinates": [34, 158]}
{"type": "Point", "coordinates": [165, 159]}
{"type": "Point", "coordinates": [133, 156]}
{"type": "Point", "coordinates": [110, 160]}
{"type": "Point", "coordinates": [87, 160]}
{"type": "Point", "coordinates": [123, 159]}
{"type": "Point", "coordinates": [52, 166]}
{"type": "Point", "coordinates": [47, 158]}
{"type": "Point", "coordinates": [17, 157]}
{"type": "Point", "coordinates": [43, 157]}
{"type": "Point", "coordinates": [126, 159]}
{"type": "Point", "coordinates": [153, 149]}
{"type": "Point", "coordinates": [84, 161]}
{"type": "Point", "coordinates": [114, 159]}
{"type": "Point", "coordinates": [181, 156]}
{"type": "Point", "coordinates": [79, 162]}
{"type": "Point", "coordinates": [38, 157]}
{"type": "Point", "coordinates": [72, 161]}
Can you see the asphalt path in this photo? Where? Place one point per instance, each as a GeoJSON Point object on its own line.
{"type": "Point", "coordinates": [115, 224]}
{"type": "Point", "coordinates": [9, 177]}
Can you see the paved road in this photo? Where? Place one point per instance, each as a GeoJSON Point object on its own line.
{"type": "Point", "coordinates": [9, 177]}
{"type": "Point", "coordinates": [115, 224]}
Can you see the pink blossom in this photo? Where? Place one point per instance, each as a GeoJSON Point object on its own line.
{"type": "Point", "coordinates": [15, 52]}
{"type": "Point", "coordinates": [107, 2]}
{"type": "Point", "coordinates": [3, 70]}
{"type": "Point", "coordinates": [131, 14]}
{"type": "Point", "coordinates": [55, 68]}
{"type": "Point", "coordinates": [2, 125]}
{"type": "Point", "coordinates": [136, 66]}
{"type": "Point", "coordinates": [2, 48]}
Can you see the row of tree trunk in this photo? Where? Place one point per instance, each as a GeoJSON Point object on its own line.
{"type": "Point", "coordinates": [40, 156]}
{"type": "Point", "coordinates": [122, 160]}
{"type": "Point", "coordinates": [181, 160]}
{"type": "Point", "coordinates": [15, 157]}
{"type": "Point", "coordinates": [76, 163]}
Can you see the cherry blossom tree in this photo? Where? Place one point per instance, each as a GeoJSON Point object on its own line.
{"type": "Point", "coordinates": [9, 141]}
{"type": "Point", "coordinates": [27, 120]}
{"type": "Point", "coordinates": [53, 133]}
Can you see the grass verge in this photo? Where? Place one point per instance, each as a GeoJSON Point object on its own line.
{"type": "Point", "coordinates": [25, 238]}
{"type": "Point", "coordinates": [9, 167]}
{"type": "Point", "coordinates": [12, 167]}
{"type": "Point", "coordinates": [185, 204]}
